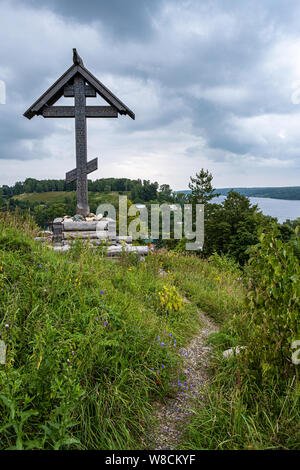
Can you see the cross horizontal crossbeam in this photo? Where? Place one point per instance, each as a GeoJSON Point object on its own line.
{"type": "Point", "coordinates": [90, 112]}
{"type": "Point", "coordinates": [89, 91]}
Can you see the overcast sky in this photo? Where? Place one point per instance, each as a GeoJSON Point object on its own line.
{"type": "Point", "coordinates": [213, 84]}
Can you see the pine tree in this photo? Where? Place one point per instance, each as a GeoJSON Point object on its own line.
{"type": "Point", "coordinates": [201, 188]}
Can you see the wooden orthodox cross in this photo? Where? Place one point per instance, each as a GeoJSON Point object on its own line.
{"type": "Point", "coordinates": [77, 82]}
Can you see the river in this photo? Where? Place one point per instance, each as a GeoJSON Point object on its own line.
{"type": "Point", "coordinates": [281, 208]}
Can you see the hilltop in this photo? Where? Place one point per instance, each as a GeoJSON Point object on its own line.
{"type": "Point", "coordinates": [92, 345]}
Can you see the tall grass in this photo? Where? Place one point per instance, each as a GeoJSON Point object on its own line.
{"type": "Point", "coordinates": [83, 353]}
{"type": "Point", "coordinates": [213, 285]}
{"type": "Point", "coordinates": [252, 401]}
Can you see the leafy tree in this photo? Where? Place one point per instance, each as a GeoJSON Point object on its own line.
{"type": "Point", "coordinates": [232, 226]}
{"type": "Point", "coordinates": [165, 193]}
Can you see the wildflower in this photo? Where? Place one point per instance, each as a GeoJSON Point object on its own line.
{"type": "Point", "coordinates": [101, 292]}
{"type": "Point", "coordinates": [68, 361]}
{"type": "Point", "coordinates": [105, 324]}
{"type": "Point", "coordinates": [162, 366]}
{"type": "Point", "coordinates": [7, 325]}
{"type": "Point", "coordinates": [170, 334]}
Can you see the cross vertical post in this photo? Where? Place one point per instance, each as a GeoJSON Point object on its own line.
{"type": "Point", "coordinates": [81, 146]}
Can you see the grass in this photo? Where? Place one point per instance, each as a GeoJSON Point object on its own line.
{"type": "Point", "coordinates": [239, 415]}
{"type": "Point", "coordinates": [91, 345]}
{"type": "Point", "coordinates": [243, 407]}
{"type": "Point", "coordinates": [216, 289]}
{"type": "Point", "coordinates": [83, 354]}
{"type": "Point", "coordinates": [52, 197]}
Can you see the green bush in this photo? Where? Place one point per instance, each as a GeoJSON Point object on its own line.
{"type": "Point", "coordinates": [274, 305]}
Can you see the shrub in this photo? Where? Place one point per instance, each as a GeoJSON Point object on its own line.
{"type": "Point", "coordinates": [170, 300]}
{"type": "Point", "coordinates": [273, 300]}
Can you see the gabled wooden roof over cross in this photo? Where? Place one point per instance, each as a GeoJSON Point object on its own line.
{"type": "Point", "coordinates": [79, 83]}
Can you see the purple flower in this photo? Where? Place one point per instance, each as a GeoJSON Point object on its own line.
{"type": "Point", "coordinates": [105, 324]}
{"type": "Point", "coordinates": [162, 366]}
{"type": "Point", "coordinates": [101, 292]}
{"type": "Point", "coordinates": [7, 325]}
{"type": "Point", "coordinates": [68, 361]}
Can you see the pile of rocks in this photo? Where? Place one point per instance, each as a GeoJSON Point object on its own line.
{"type": "Point", "coordinates": [95, 230]}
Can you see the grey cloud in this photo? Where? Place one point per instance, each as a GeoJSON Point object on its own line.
{"type": "Point", "coordinates": [125, 19]}
{"type": "Point", "coordinates": [150, 40]}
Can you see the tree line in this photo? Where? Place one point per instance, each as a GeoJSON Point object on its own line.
{"type": "Point", "coordinates": [141, 190]}
{"type": "Point", "coordinates": [231, 227]}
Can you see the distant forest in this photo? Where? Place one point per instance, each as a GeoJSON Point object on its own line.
{"type": "Point", "coordinates": [139, 190]}
{"type": "Point", "coordinates": [142, 190]}
{"type": "Point", "coordinates": [292, 193]}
